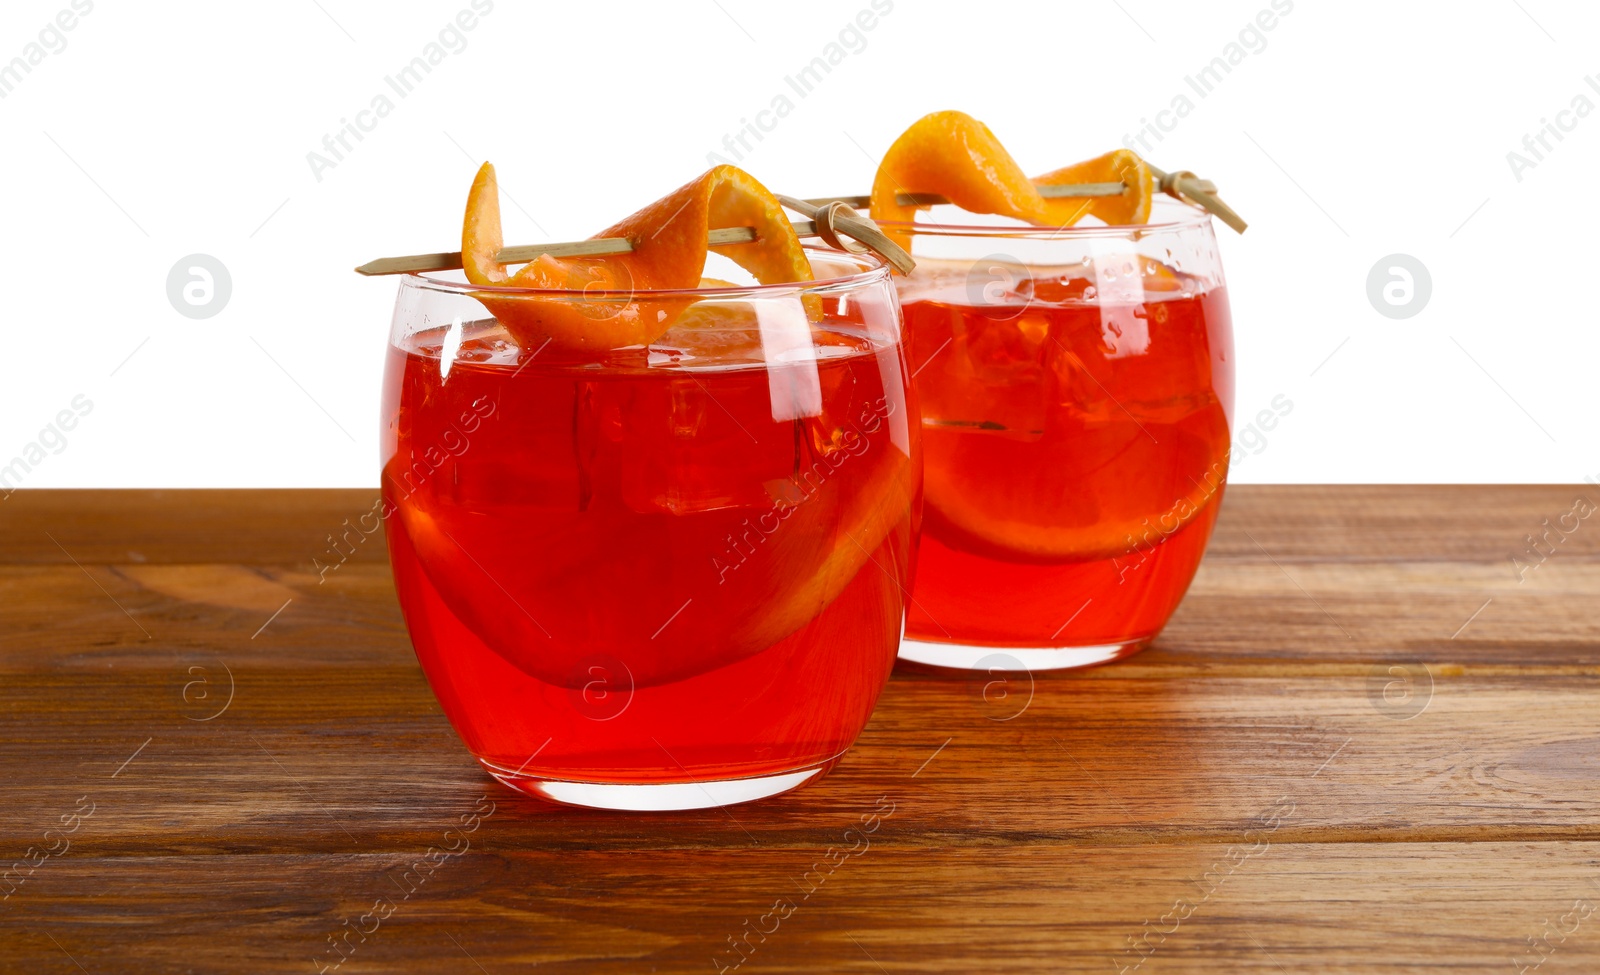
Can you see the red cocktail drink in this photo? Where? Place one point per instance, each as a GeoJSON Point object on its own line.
{"type": "Point", "coordinates": [679, 567]}
{"type": "Point", "coordinates": [1075, 404]}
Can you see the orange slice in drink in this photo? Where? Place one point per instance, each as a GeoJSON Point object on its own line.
{"type": "Point", "coordinates": [804, 567]}
{"type": "Point", "coordinates": [956, 156]}
{"type": "Point", "coordinates": [1075, 508]}
{"type": "Point", "coordinates": [669, 253]}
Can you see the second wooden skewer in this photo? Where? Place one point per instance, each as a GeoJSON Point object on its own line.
{"type": "Point", "coordinates": [1182, 185]}
{"type": "Point", "coordinates": [1073, 190]}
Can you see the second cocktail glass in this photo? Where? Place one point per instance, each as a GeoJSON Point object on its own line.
{"type": "Point", "coordinates": [1076, 388]}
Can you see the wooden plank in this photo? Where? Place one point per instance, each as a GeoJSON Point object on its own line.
{"type": "Point", "coordinates": [1035, 827]}
{"type": "Point", "coordinates": [1261, 617]}
{"type": "Point", "coordinates": [1242, 616]}
{"type": "Point", "coordinates": [130, 615]}
{"type": "Point", "coordinates": [109, 527]}
{"type": "Point", "coordinates": [1351, 523]}
{"type": "Point", "coordinates": [1267, 906]}
{"type": "Point", "coordinates": [1366, 523]}
{"type": "Point", "coordinates": [360, 758]}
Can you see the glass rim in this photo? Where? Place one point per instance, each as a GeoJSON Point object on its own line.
{"type": "Point", "coordinates": [871, 267]}
{"type": "Point", "coordinates": [1186, 216]}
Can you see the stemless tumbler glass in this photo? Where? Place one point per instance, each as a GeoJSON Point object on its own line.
{"type": "Point", "coordinates": [660, 577]}
{"type": "Point", "coordinates": [1076, 388]}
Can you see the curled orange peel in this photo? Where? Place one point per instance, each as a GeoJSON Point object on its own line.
{"type": "Point", "coordinates": [955, 155]}
{"type": "Point", "coordinates": [1118, 166]}
{"type": "Point", "coordinates": [615, 309]}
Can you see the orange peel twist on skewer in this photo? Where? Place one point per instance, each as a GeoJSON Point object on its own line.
{"type": "Point", "coordinates": [669, 253]}
{"type": "Point", "coordinates": [955, 155]}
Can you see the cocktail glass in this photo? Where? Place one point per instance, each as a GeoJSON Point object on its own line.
{"type": "Point", "coordinates": [1076, 388]}
{"type": "Point", "coordinates": [655, 578]}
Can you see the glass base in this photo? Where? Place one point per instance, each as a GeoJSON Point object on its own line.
{"type": "Point", "coordinates": [968, 656]}
{"type": "Point", "coordinates": [657, 796]}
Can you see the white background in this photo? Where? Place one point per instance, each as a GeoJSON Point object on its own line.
{"type": "Point", "coordinates": [1361, 129]}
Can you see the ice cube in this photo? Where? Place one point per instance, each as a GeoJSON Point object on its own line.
{"type": "Point", "coordinates": [694, 430]}
{"type": "Point", "coordinates": [995, 381]}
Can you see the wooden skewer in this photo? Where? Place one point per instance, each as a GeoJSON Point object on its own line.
{"type": "Point", "coordinates": [835, 222]}
{"type": "Point", "coordinates": [1072, 190]}
{"type": "Point", "coordinates": [1188, 187]}
{"type": "Point", "coordinates": [598, 247]}
{"type": "Point", "coordinates": [451, 260]}
{"type": "Point", "coordinates": [1183, 185]}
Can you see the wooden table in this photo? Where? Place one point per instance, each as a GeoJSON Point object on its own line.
{"type": "Point", "coordinates": [1363, 744]}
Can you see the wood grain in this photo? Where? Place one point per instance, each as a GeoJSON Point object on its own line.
{"type": "Point", "coordinates": [1337, 907]}
{"type": "Point", "coordinates": [357, 759]}
{"type": "Point", "coordinates": [1251, 763]}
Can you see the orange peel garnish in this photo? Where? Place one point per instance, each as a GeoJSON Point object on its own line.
{"type": "Point", "coordinates": [669, 253]}
{"type": "Point", "coordinates": [1118, 166]}
{"type": "Point", "coordinates": [955, 155]}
